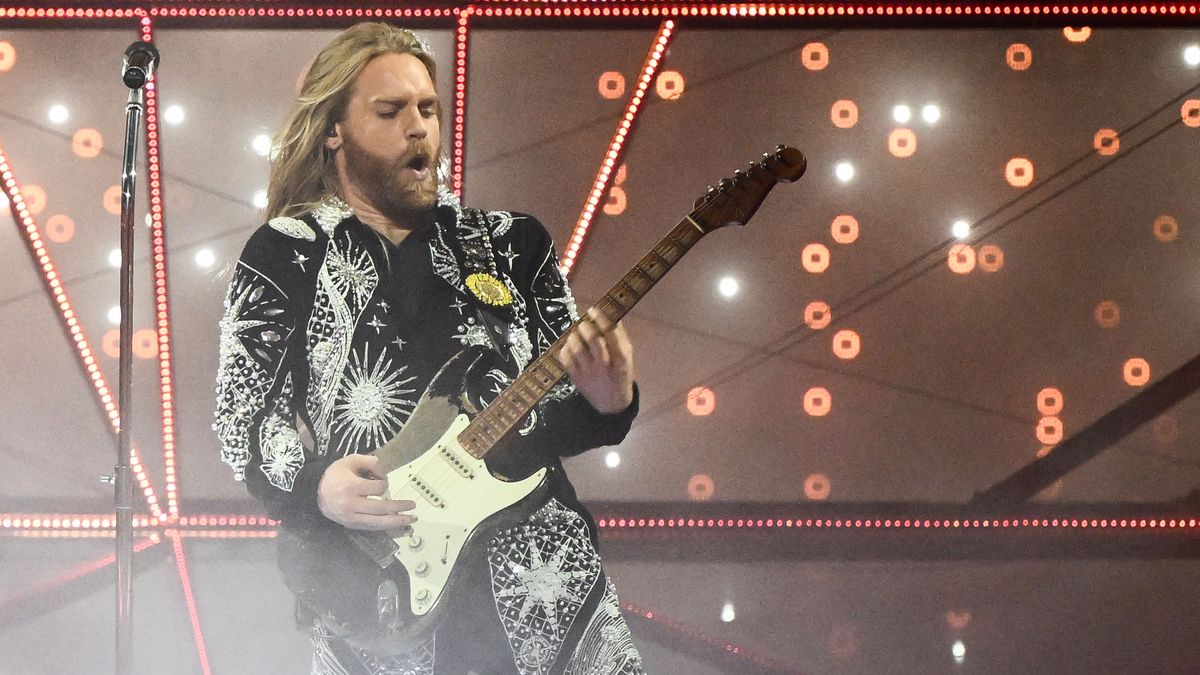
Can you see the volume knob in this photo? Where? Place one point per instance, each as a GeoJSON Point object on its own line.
{"type": "Point", "coordinates": [415, 542]}
{"type": "Point", "coordinates": [421, 569]}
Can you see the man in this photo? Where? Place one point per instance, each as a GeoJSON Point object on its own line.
{"type": "Point", "coordinates": [370, 275]}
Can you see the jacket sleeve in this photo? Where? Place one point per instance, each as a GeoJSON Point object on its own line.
{"type": "Point", "coordinates": [258, 393]}
{"type": "Point", "coordinates": [564, 423]}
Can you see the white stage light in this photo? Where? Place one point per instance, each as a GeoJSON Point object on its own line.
{"type": "Point", "coordinates": [612, 459]}
{"type": "Point", "coordinates": [902, 114]}
{"type": "Point", "coordinates": [960, 229]}
{"type": "Point", "coordinates": [959, 650]}
{"type": "Point", "coordinates": [173, 115]}
{"type": "Point", "coordinates": [114, 257]}
{"type": "Point", "coordinates": [58, 114]}
{"type": "Point", "coordinates": [205, 258]}
{"type": "Point", "coordinates": [844, 171]}
{"type": "Point", "coordinates": [728, 287]}
{"type": "Point", "coordinates": [260, 199]}
{"type": "Point", "coordinates": [114, 315]}
{"type": "Point", "coordinates": [261, 145]}
{"type": "Point", "coordinates": [931, 114]}
{"type": "Point", "coordinates": [727, 613]}
{"type": "Point", "coordinates": [1191, 55]}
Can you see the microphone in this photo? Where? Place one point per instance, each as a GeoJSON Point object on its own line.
{"type": "Point", "coordinates": [140, 61]}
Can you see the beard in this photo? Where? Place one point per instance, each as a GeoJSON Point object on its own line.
{"type": "Point", "coordinates": [379, 180]}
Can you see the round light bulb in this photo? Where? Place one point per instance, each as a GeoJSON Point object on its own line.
{"type": "Point", "coordinates": [844, 171]}
{"type": "Point", "coordinates": [205, 258]}
{"type": "Point", "coordinates": [114, 315]}
{"type": "Point", "coordinates": [902, 114]}
{"type": "Point", "coordinates": [261, 145]}
{"type": "Point", "coordinates": [612, 459]}
{"type": "Point", "coordinates": [960, 229]}
{"type": "Point", "coordinates": [58, 114]}
{"type": "Point", "coordinates": [728, 287]}
{"type": "Point", "coordinates": [931, 114]}
{"type": "Point", "coordinates": [260, 199]}
{"type": "Point", "coordinates": [173, 115]}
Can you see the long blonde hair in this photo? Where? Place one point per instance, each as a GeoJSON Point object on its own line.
{"type": "Point", "coordinates": [302, 168]}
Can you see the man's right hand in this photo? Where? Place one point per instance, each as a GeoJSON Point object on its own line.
{"type": "Point", "coordinates": [351, 493]}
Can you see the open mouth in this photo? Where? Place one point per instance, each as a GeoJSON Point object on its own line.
{"type": "Point", "coordinates": [418, 163]}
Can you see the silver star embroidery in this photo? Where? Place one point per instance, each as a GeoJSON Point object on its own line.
{"type": "Point", "coordinates": [510, 254]}
{"type": "Point", "coordinates": [458, 304]}
{"type": "Point", "coordinates": [376, 324]}
{"type": "Point", "coordinates": [399, 343]}
{"type": "Point", "coordinates": [497, 389]}
{"type": "Point", "coordinates": [300, 260]}
{"type": "Point", "coordinates": [543, 583]}
{"type": "Point", "coordinates": [383, 304]}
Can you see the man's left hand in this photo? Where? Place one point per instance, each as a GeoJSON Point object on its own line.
{"type": "Point", "coordinates": [599, 359]}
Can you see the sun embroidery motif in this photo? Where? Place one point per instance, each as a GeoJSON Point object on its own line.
{"type": "Point", "coordinates": [373, 402]}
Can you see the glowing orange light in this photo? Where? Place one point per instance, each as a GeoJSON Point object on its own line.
{"type": "Point", "coordinates": [1166, 429]}
{"type": "Point", "coordinates": [8, 56]}
{"type": "Point", "coordinates": [1077, 34]}
{"type": "Point", "coordinates": [112, 200]}
{"type": "Point", "coordinates": [1166, 228]}
{"type": "Point", "coordinates": [1049, 401]}
{"type": "Point", "coordinates": [145, 344]}
{"type": "Point", "coordinates": [844, 114]}
{"type": "Point", "coordinates": [1019, 172]}
{"type": "Point", "coordinates": [961, 259]}
{"type": "Point", "coordinates": [844, 229]}
{"type": "Point", "coordinates": [1050, 430]}
{"type": "Point", "coordinates": [817, 486]}
{"type": "Point", "coordinates": [700, 487]}
{"type": "Point", "coordinates": [1190, 112]}
{"type": "Point", "coordinates": [620, 177]}
{"type": "Point", "coordinates": [1137, 372]}
{"type": "Point", "coordinates": [1108, 314]}
{"type": "Point", "coordinates": [669, 85]}
{"type": "Point", "coordinates": [701, 401]}
{"type": "Point", "coordinates": [111, 343]}
{"type": "Point", "coordinates": [615, 204]}
{"type": "Point", "coordinates": [902, 143]}
{"type": "Point", "coordinates": [1019, 56]}
{"type": "Point", "coordinates": [818, 401]}
{"type": "Point", "coordinates": [817, 315]}
{"type": "Point", "coordinates": [1106, 142]}
{"type": "Point", "coordinates": [815, 56]}
{"type": "Point", "coordinates": [1044, 450]}
{"type": "Point", "coordinates": [612, 84]}
{"type": "Point", "coordinates": [35, 198]}
{"type": "Point", "coordinates": [87, 143]}
{"type": "Point", "coordinates": [958, 620]}
{"type": "Point", "coordinates": [990, 258]}
{"type": "Point", "coordinates": [815, 258]}
{"type": "Point", "coordinates": [60, 228]}
{"type": "Point", "coordinates": [846, 344]}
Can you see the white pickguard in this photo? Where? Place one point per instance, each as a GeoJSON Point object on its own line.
{"type": "Point", "coordinates": [453, 492]}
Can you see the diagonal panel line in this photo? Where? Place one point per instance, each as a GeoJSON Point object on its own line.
{"type": "Point", "coordinates": [158, 253]}
{"type": "Point", "coordinates": [186, 581]}
{"type": "Point", "coordinates": [617, 145]}
{"type": "Point", "coordinates": [56, 291]}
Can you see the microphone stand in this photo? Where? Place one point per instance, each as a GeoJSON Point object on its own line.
{"type": "Point", "coordinates": [134, 77]}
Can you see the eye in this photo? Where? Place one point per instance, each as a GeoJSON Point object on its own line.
{"type": "Point", "coordinates": [388, 114]}
{"type": "Point", "coordinates": [429, 110]}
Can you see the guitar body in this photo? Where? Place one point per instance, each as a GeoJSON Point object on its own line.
{"type": "Point", "coordinates": [388, 595]}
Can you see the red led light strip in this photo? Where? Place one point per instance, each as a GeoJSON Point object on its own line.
{"type": "Point", "coordinates": [615, 149]}
{"type": "Point", "coordinates": [56, 290]}
{"type": "Point", "coordinates": [689, 632]}
{"type": "Point", "coordinates": [616, 9]}
{"type": "Point", "coordinates": [894, 523]}
{"type": "Point", "coordinates": [186, 581]}
{"type": "Point", "coordinates": [460, 98]}
{"type": "Point", "coordinates": [195, 525]}
{"type": "Point", "coordinates": [76, 573]}
{"type": "Point", "coordinates": [158, 247]}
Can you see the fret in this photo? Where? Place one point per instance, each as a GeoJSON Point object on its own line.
{"type": "Point", "coordinates": [632, 291]}
{"type": "Point", "coordinates": [635, 277]}
{"type": "Point", "coordinates": [617, 300]}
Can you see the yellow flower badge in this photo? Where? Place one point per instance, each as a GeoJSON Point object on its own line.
{"type": "Point", "coordinates": [489, 289]}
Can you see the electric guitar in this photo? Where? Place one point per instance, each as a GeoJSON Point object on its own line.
{"type": "Point", "coordinates": [388, 595]}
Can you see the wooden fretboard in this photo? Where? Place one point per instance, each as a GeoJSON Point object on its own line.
{"type": "Point", "coordinates": [511, 406]}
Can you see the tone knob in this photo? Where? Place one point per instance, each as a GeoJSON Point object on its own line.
{"type": "Point", "coordinates": [421, 569]}
{"type": "Point", "coordinates": [415, 542]}
{"type": "Point", "coordinates": [423, 595]}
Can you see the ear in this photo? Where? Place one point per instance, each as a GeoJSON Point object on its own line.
{"type": "Point", "coordinates": [333, 137]}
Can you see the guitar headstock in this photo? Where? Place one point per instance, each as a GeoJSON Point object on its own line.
{"type": "Point", "coordinates": [734, 200]}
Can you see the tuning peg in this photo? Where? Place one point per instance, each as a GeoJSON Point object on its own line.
{"type": "Point", "coordinates": [725, 184]}
{"type": "Point", "coordinates": [738, 174]}
{"type": "Point", "coordinates": [780, 148]}
{"type": "Point", "coordinates": [710, 190]}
